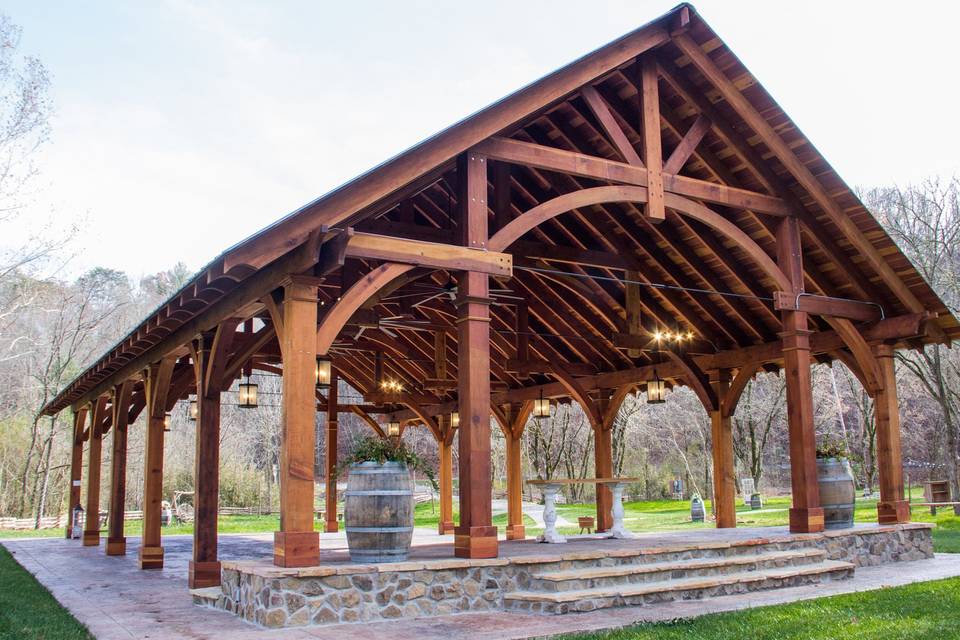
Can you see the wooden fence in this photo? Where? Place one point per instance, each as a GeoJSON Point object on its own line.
{"type": "Point", "coordinates": [60, 521]}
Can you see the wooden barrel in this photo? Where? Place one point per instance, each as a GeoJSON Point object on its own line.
{"type": "Point", "coordinates": [378, 512]}
{"type": "Point", "coordinates": [837, 492]}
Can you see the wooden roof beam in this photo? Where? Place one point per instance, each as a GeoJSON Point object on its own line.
{"type": "Point", "coordinates": [578, 164]}
{"type": "Point", "coordinates": [800, 172]}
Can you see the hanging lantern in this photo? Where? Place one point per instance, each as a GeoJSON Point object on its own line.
{"type": "Point", "coordinates": [323, 373]}
{"type": "Point", "coordinates": [247, 395]}
{"type": "Point", "coordinates": [393, 428]}
{"type": "Point", "coordinates": [194, 410]}
{"type": "Point", "coordinates": [656, 390]}
{"type": "Point", "coordinates": [167, 417]}
{"type": "Point", "coordinates": [541, 407]}
{"type": "Point", "coordinates": [455, 420]}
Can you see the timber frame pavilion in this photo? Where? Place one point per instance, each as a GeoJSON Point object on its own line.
{"type": "Point", "coordinates": [532, 250]}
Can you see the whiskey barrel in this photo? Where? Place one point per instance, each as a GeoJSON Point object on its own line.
{"type": "Point", "coordinates": [378, 512]}
{"type": "Point", "coordinates": [837, 492]}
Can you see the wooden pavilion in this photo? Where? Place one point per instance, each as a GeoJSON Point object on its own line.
{"type": "Point", "coordinates": [647, 212]}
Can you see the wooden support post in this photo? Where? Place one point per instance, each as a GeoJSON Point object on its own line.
{"type": "Point", "coordinates": [330, 507]}
{"type": "Point", "coordinates": [724, 473]}
{"type": "Point", "coordinates": [806, 515]}
{"type": "Point", "coordinates": [204, 568]}
{"type": "Point", "coordinates": [445, 445]}
{"type": "Point", "coordinates": [116, 541]}
{"type": "Point", "coordinates": [476, 537]}
{"type": "Point", "coordinates": [515, 528]}
{"type": "Point", "coordinates": [76, 467]}
{"type": "Point", "coordinates": [297, 544]}
{"type": "Point", "coordinates": [91, 526]}
{"type": "Point", "coordinates": [892, 508]}
{"type": "Point", "coordinates": [156, 385]}
{"type": "Point", "coordinates": [603, 468]}
{"type": "Point", "coordinates": [652, 144]}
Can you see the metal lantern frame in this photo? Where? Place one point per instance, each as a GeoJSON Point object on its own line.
{"type": "Point", "coordinates": [541, 407]}
{"type": "Point", "coordinates": [455, 420]}
{"type": "Point", "coordinates": [193, 410]}
{"type": "Point", "coordinates": [247, 395]}
{"type": "Point", "coordinates": [324, 372]}
{"type": "Point", "coordinates": [656, 390]}
{"type": "Point", "coordinates": [393, 428]}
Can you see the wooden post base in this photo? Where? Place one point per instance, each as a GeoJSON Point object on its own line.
{"type": "Point", "coordinates": [151, 557]}
{"type": "Point", "coordinates": [894, 512]}
{"type": "Point", "coordinates": [116, 546]}
{"type": "Point", "coordinates": [203, 574]}
{"type": "Point", "coordinates": [446, 527]}
{"type": "Point", "coordinates": [331, 527]}
{"type": "Point", "coordinates": [809, 520]}
{"type": "Point", "coordinates": [296, 548]}
{"type": "Point", "coordinates": [91, 538]}
{"type": "Point", "coordinates": [475, 542]}
{"type": "Point", "coordinates": [516, 532]}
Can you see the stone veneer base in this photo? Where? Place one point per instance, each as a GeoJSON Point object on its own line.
{"type": "Point", "coordinates": [275, 597]}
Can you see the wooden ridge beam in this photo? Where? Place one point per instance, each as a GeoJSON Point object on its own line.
{"type": "Point", "coordinates": [586, 166]}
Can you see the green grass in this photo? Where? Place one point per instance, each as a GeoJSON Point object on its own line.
{"type": "Point", "coordinates": [921, 610]}
{"type": "Point", "coordinates": [28, 611]}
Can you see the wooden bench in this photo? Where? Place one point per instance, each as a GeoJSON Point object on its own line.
{"type": "Point", "coordinates": [933, 505]}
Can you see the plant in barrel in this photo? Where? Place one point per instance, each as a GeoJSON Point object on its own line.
{"type": "Point", "coordinates": [836, 484]}
{"type": "Point", "coordinates": [378, 504]}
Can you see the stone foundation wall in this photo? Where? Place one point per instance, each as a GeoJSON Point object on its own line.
{"type": "Point", "coordinates": [275, 597]}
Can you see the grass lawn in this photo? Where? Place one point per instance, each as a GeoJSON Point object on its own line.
{"type": "Point", "coordinates": [28, 611]}
{"type": "Point", "coordinates": [902, 613]}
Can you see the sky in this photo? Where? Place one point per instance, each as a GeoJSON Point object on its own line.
{"type": "Point", "coordinates": [182, 127]}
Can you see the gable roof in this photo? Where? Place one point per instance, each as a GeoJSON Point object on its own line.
{"type": "Point", "coordinates": [551, 112]}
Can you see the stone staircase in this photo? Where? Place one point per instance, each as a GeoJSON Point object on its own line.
{"type": "Point", "coordinates": [662, 577]}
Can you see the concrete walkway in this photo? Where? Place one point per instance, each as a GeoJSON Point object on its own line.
{"type": "Point", "coordinates": [117, 600]}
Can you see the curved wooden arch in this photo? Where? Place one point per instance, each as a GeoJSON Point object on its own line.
{"type": "Point", "coordinates": [366, 417]}
{"type": "Point", "coordinates": [869, 369]}
{"type": "Point", "coordinates": [625, 193]}
{"type": "Point", "coordinates": [578, 393]}
{"type": "Point", "coordinates": [695, 379]}
{"type": "Point", "coordinates": [353, 299]}
{"type": "Point", "coordinates": [615, 402]}
{"type": "Point", "coordinates": [737, 386]}
{"type": "Point", "coordinates": [425, 418]}
{"type": "Point", "coordinates": [844, 356]}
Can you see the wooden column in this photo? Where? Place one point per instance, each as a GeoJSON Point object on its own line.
{"type": "Point", "coordinates": [91, 526]}
{"type": "Point", "coordinates": [296, 544]}
{"type": "Point", "coordinates": [476, 537]}
{"type": "Point", "coordinates": [603, 468]}
{"type": "Point", "coordinates": [76, 467]}
{"type": "Point", "coordinates": [724, 470]}
{"type": "Point", "coordinates": [518, 422]}
{"type": "Point", "coordinates": [891, 508]}
{"type": "Point", "coordinates": [331, 525]}
{"type": "Point", "coordinates": [806, 515]}
{"type": "Point", "coordinates": [116, 541]}
{"type": "Point", "coordinates": [445, 479]}
{"type": "Point", "coordinates": [156, 383]}
{"type": "Point", "coordinates": [204, 568]}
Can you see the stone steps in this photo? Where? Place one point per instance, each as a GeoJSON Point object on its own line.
{"type": "Point", "coordinates": [629, 594]}
{"type": "Point", "coordinates": [605, 576]}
